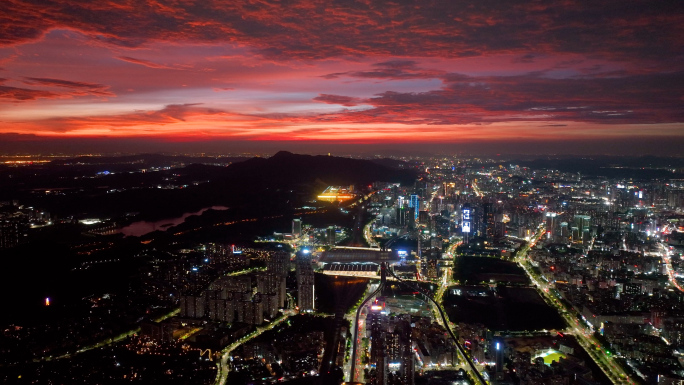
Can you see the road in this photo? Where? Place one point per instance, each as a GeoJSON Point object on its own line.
{"type": "Point", "coordinates": [351, 317]}
{"type": "Point", "coordinates": [223, 367]}
{"type": "Point", "coordinates": [355, 372]}
{"type": "Point", "coordinates": [668, 265]}
{"type": "Point", "coordinates": [476, 189]}
{"type": "Point", "coordinates": [358, 236]}
{"type": "Point", "coordinates": [358, 367]}
{"type": "Point", "coordinates": [368, 234]}
{"type": "Point", "coordinates": [107, 341]}
{"type": "Point", "coordinates": [585, 338]}
{"type": "Point", "coordinates": [469, 366]}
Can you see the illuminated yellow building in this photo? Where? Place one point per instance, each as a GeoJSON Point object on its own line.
{"type": "Point", "coordinates": [337, 193]}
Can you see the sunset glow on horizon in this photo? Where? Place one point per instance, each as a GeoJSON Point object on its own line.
{"type": "Point", "coordinates": [348, 72]}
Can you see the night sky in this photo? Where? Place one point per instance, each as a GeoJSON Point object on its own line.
{"type": "Point", "coordinates": [567, 76]}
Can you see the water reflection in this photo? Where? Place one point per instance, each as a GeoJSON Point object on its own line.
{"type": "Point", "coordinates": [139, 228]}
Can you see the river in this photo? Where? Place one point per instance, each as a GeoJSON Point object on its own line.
{"type": "Point", "coordinates": [140, 228]}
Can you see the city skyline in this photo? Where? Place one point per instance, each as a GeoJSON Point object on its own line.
{"type": "Point", "coordinates": [561, 77]}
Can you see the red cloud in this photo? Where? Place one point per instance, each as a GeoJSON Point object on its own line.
{"type": "Point", "coordinates": [145, 63]}
{"type": "Point", "coordinates": [311, 29]}
{"type": "Point", "coordinates": [338, 99]}
{"type": "Point", "coordinates": [79, 88]}
{"type": "Point", "coordinates": [22, 94]}
{"type": "Point", "coordinates": [159, 122]}
{"type": "Point", "coordinates": [654, 98]}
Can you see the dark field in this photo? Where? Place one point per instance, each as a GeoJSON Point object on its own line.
{"type": "Point", "coordinates": [507, 308]}
{"type": "Point", "coordinates": [336, 294]}
{"type": "Point", "coordinates": [477, 270]}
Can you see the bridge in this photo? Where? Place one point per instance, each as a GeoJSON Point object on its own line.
{"type": "Point", "coordinates": [357, 254]}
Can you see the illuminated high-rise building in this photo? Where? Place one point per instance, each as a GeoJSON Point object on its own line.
{"type": "Point", "coordinates": [489, 222]}
{"type": "Point", "coordinates": [582, 222]}
{"type": "Point", "coordinates": [377, 323]}
{"type": "Point", "coordinates": [305, 282]}
{"type": "Point", "coordinates": [551, 224]}
{"type": "Point", "coordinates": [10, 234]}
{"type": "Point", "coordinates": [272, 288]}
{"type": "Point", "coordinates": [296, 227]}
{"type": "Point", "coordinates": [499, 357]}
{"type": "Point", "coordinates": [466, 221]}
{"type": "Point", "coordinates": [414, 203]}
{"type": "Point", "coordinates": [279, 263]}
{"type": "Point", "coordinates": [330, 235]}
{"type": "Point", "coordinates": [400, 351]}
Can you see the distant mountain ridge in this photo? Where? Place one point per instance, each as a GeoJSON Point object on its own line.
{"type": "Point", "coordinates": [286, 167]}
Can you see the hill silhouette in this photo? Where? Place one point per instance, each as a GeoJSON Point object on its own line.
{"type": "Point", "coordinates": [260, 184]}
{"type": "Point", "coordinates": [287, 168]}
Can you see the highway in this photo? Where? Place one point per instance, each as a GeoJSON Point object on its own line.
{"type": "Point", "coordinates": [585, 338]}
{"type": "Point", "coordinates": [354, 372]}
{"type": "Point", "coordinates": [351, 317]}
{"type": "Point", "coordinates": [361, 333]}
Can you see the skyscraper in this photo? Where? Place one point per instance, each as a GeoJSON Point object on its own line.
{"type": "Point", "coordinates": [466, 221]}
{"type": "Point", "coordinates": [582, 222]}
{"type": "Point", "coordinates": [499, 356]}
{"type": "Point", "coordinates": [330, 235]}
{"type": "Point", "coordinates": [551, 224]}
{"type": "Point", "coordinates": [296, 227]}
{"type": "Point", "coordinates": [414, 203]}
{"type": "Point", "coordinates": [377, 326]}
{"type": "Point", "coordinates": [305, 282]}
{"type": "Point", "coordinates": [489, 223]}
{"type": "Point", "coordinates": [402, 351]}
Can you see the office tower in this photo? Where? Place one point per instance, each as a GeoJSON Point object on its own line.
{"type": "Point", "coordinates": [488, 214]}
{"type": "Point", "coordinates": [466, 221]}
{"type": "Point", "coordinates": [330, 234]}
{"type": "Point", "coordinates": [551, 224]}
{"type": "Point", "coordinates": [296, 227]}
{"type": "Point", "coordinates": [402, 216]}
{"type": "Point", "coordinates": [564, 231]}
{"type": "Point", "coordinates": [305, 282]}
{"type": "Point", "coordinates": [377, 326]}
{"type": "Point", "coordinates": [414, 203]}
{"type": "Point", "coordinates": [499, 355]}
{"type": "Point", "coordinates": [582, 222]}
